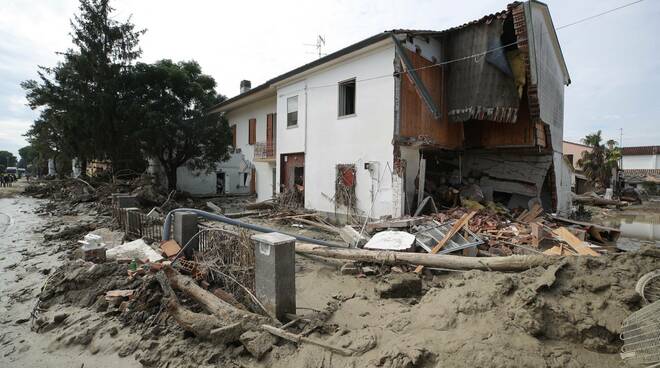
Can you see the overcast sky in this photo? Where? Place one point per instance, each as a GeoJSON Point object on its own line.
{"type": "Point", "coordinates": [613, 60]}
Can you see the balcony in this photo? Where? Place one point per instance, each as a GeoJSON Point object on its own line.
{"type": "Point", "coordinates": [264, 151]}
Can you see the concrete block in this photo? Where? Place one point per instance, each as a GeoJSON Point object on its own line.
{"type": "Point", "coordinates": [275, 273]}
{"type": "Point", "coordinates": [185, 228]}
{"type": "Point", "coordinates": [125, 200]}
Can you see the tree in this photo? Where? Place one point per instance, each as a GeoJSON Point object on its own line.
{"type": "Point", "coordinates": [172, 123]}
{"type": "Point", "coordinates": [83, 98]}
{"type": "Point", "coordinates": [7, 159]}
{"type": "Point", "coordinates": [598, 163]}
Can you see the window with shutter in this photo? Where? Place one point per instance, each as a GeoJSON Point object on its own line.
{"type": "Point", "coordinates": [252, 133]}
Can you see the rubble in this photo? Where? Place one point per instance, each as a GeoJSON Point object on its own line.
{"type": "Point", "coordinates": [151, 303]}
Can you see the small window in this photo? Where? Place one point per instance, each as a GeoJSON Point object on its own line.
{"type": "Point", "coordinates": [252, 131]}
{"type": "Point", "coordinates": [347, 98]}
{"type": "Point", "coordinates": [233, 136]}
{"type": "Point", "coordinates": [292, 111]}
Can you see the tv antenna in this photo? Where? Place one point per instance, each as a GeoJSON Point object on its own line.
{"type": "Point", "coordinates": [320, 42]}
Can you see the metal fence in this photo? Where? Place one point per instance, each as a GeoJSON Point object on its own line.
{"type": "Point", "coordinates": [137, 224]}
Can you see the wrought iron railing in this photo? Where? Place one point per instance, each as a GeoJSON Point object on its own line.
{"type": "Point", "coordinates": [264, 150]}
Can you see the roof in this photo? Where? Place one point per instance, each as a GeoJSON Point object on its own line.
{"type": "Point", "coordinates": [262, 88]}
{"type": "Point", "coordinates": [346, 50]}
{"type": "Point", "coordinates": [641, 175]}
{"type": "Point", "coordinates": [640, 150]}
{"type": "Point", "coordinates": [577, 144]}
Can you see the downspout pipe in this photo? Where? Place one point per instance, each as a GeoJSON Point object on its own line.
{"type": "Point", "coordinates": [220, 218]}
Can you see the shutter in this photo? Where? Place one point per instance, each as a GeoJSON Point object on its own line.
{"type": "Point", "coordinates": [252, 134]}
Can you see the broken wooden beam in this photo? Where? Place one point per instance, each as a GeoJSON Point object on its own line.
{"type": "Point", "coordinates": [581, 247]}
{"type": "Point", "coordinates": [299, 338]}
{"type": "Point", "coordinates": [510, 263]}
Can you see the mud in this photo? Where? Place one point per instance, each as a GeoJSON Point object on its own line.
{"type": "Point", "coordinates": [566, 315]}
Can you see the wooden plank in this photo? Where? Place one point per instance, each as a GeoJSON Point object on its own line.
{"type": "Point", "coordinates": [537, 234]}
{"type": "Point", "coordinates": [572, 240]}
{"type": "Point", "coordinates": [454, 230]}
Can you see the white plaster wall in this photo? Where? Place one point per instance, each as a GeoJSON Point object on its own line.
{"type": "Point", "coordinates": [291, 139]}
{"type": "Point", "coordinates": [550, 82]}
{"type": "Point", "coordinates": [264, 171]}
{"type": "Point", "coordinates": [195, 182]}
{"type": "Point", "coordinates": [328, 140]}
{"type": "Point", "coordinates": [241, 117]}
{"type": "Point", "coordinates": [640, 162]}
{"type": "Point", "coordinates": [564, 181]}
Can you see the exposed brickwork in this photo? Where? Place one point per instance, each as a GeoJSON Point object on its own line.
{"type": "Point", "coordinates": [520, 27]}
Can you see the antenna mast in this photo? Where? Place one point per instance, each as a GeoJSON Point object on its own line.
{"type": "Point", "coordinates": [320, 43]}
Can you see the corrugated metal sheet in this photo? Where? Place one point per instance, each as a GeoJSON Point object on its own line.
{"type": "Point", "coordinates": [478, 89]}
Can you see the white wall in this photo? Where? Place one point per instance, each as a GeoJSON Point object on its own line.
{"type": "Point", "coordinates": [641, 162]}
{"type": "Point", "coordinates": [240, 117]}
{"type": "Point", "coordinates": [195, 182]}
{"type": "Point", "coordinates": [550, 82]}
{"type": "Point", "coordinates": [329, 140]}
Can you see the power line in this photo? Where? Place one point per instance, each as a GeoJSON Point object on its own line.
{"type": "Point", "coordinates": [599, 14]}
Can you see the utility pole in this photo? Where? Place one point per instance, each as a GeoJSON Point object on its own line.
{"type": "Point", "coordinates": [621, 147]}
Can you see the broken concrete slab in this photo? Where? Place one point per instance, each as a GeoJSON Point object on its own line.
{"type": "Point", "coordinates": [170, 248]}
{"type": "Point", "coordinates": [258, 343]}
{"type": "Point", "coordinates": [391, 240]}
{"type": "Point", "coordinates": [135, 249]}
{"type": "Point", "coordinates": [109, 237]}
{"type": "Point", "coordinates": [352, 237]}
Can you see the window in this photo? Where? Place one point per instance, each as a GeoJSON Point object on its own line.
{"type": "Point", "coordinates": [252, 133]}
{"type": "Point", "coordinates": [292, 111]}
{"type": "Point", "coordinates": [233, 136]}
{"type": "Point", "coordinates": [347, 97]}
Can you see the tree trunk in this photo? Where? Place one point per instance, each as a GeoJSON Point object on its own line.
{"type": "Point", "coordinates": [510, 263]}
{"type": "Point", "coordinates": [170, 171]}
{"type": "Point", "coordinates": [223, 311]}
{"type": "Point", "coordinates": [204, 325]}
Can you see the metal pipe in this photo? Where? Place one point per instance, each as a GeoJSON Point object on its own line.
{"type": "Point", "coordinates": [220, 218]}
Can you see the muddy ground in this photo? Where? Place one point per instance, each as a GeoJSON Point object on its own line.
{"type": "Point", "coordinates": [568, 315]}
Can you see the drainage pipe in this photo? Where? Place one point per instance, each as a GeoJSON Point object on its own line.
{"type": "Point", "coordinates": [220, 218]}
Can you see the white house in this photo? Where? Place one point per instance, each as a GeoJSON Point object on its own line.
{"type": "Point", "coordinates": [640, 158]}
{"type": "Point", "coordinates": [352, 129]}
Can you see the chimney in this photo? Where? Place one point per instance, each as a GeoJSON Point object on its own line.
{"type": "Point", "coordinates": [245, 86]}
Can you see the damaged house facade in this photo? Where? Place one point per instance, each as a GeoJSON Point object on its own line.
{"type": "Point", "coordinates": [374, 128]}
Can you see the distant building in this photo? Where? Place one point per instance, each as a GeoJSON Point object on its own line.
{"type": "Point", "coordinates": [641, 157]}
{"type": "Point", "coordinates": [573, 153]}
{"type": "Point", "coordinates": [641, 167]}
